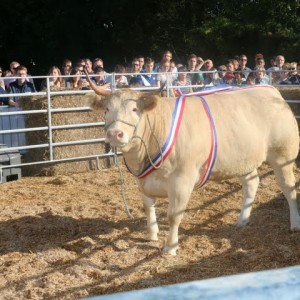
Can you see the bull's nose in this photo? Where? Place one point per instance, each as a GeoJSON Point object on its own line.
{"type": "Point", "coordinates": [115, 134]}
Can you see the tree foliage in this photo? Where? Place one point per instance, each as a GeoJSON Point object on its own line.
{"type": "Point", "coordinates": [117, 30]}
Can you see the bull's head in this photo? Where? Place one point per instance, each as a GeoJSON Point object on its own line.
{"type": "Point", "coordinates": [123, 112]}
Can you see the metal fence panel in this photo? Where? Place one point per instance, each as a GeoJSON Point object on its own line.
{"type": "Point", "coordinates": [9, 122]}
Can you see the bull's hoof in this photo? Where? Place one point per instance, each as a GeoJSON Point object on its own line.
{"type": "Point", "coordinates": [295, 222]}
{"type": "Point", "coordinates": [295, 228]}
{"type": "Point", "coordinates": [242, 223]}
{"type": "Point", "coordinates": [170, 250]}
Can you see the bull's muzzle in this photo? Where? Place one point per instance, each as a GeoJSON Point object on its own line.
{"type": "Point", "coordinates": [116, 136]}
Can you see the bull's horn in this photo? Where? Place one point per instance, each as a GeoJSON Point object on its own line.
{"type": "Point", "coordinates": [97, 89]}
{"type": "Point", "coordinates": [158, 91]}
{"type": "Point", "coordinates": [162, 87]}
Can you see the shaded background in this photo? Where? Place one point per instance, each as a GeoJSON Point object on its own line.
{"type": "Point", "coordinates": [42, 33]}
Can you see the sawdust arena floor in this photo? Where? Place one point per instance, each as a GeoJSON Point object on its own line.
{"type": "Point", "coordinates": [69, 237]}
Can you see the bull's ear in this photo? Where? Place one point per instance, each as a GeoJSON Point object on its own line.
{"type": "Point", "coordinates": [147, 102]}
{"type": "Point", "coordinates": [149, 99]}
{"type": "Point", "coordinates": [95, 102]}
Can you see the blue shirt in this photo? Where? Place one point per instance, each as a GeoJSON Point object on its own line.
{"type": "Point", "coordinates": [15, 88]}
{"type": "Point", "coordinates": [147, 79]}
{"type": "Point", "coordinates": [3, 101]}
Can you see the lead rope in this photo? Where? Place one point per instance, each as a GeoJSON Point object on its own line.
{"type": "Point", "coordinates": [122, 187]}
{"type": "Point", "coordinates": [147, 152]}
{"type": "Point", "coordinates": [151, 162]}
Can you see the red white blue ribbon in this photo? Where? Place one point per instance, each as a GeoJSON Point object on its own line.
{"type": "Point", "coordinates": [168, 146]}
{"type": "Point", "coordinates": [207, 91]}
{"type": "Point", "coordinates": [166, 149]}
{"type": "Point", "coordinates": [214, 146]}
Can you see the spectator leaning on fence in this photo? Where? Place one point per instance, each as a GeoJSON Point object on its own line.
{"type": "Point", "coordinates": [66, 70]}
{"type": "Point", "coordinates": [239, 78]}
{"type": "Point", "coordinates": [89, 66]}
{"type": "Point", "coordinates": [55, 79]}
{"type": "Point", "coordinates": [200, 63]}
{"type": "Point", "coordinates": [99, 77]}
{"type": "Point", "coordinates": [182, 81]}
{"type": "Point", "coordinates": [222, 70]}
{"type": "Point", "coordinates": [165, 76]}
{"type": "Point", "coordinates": [257, 57]}
{"type": "Point", "coordinates": [243, 66]}
{"type": "Point", "coordinates": [142, 62]}
{"type": "Point", "coordinates": [147, 78]}
{"type": "Point", "coordinates": [13, 69]}
{"type": "Point", "coordinates": [195, 76]}
{"type": "Point", "coordinates": [272, 64]}
{"type": "Point", "coordinates": [235, 62]}
{"type": "Point", "coordinates": [209, 78]}
{"type": "Point", "coordinates": [20, 85]}
{"type": "Point", "coordinates": [294, 77]}
{"type": "Point", "coordinates": [134, 79]}
{"type": "Point", "coordinates": [261, 76]}
{"type": "Point", "coordinates": [261, 63]}
{"type": "Point", "coordinates": [280, 61]}
{"type": "Point", "coordinates": [66, 67]}
{"type": "Point", "coordinates": [229, 77]}
{"type": "Point", "coordinates": [251, 79]}
{"type": "Point", "coordinates": [167, 56]}
{"type": "Point", "coordinates": [76, 80]}
{"type": "Point", "coordinates": [119, 80]}
{"type": "Point", "coordinates": [97, 62]}
{"type": "Point", "coordinates": [284, 73]}
{"type": "Point", "coordinates": [275, 75]}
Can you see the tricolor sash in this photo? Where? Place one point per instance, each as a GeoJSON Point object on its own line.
{"type": "Point", "coordinates": [166, 149]}
{"type": "Point", "coordinates": [213, 148]}
{"type": "Point", "coordinates": [172, 137]}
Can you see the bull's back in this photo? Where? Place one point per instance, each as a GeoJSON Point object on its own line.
{"type": "Point", "coordinates": [251, 124]}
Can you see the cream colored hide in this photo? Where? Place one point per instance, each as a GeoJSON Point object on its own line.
{"type": "Point", "coordinates": [253, 125]}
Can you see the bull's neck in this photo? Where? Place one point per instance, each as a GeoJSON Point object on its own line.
{"type": "Point", "coordinates": [152, 134]}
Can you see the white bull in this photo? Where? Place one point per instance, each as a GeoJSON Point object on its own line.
{"type": "Point", "coordinates": [251, 125]}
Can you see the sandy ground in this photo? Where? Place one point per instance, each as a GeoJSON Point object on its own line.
{"type": "Point", "coordinates": [69, 237]}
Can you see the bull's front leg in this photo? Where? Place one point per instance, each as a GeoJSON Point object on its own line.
{"type": "Point", "coordinates": [152, 226]}
{"type": "Point", "coordinates": [180, 189]}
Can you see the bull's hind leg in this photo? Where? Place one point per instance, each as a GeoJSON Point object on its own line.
{"type": "Point", "coordinates": [250, 184]}
{"type": "Point", "coordinates": [286, 180]}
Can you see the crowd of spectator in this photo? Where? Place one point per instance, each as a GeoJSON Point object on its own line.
{"type": "Point", "coordinates": [193, 75]}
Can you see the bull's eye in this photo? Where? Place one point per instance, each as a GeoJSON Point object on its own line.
{"type": "Point", "coordinates": [134, 109]}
